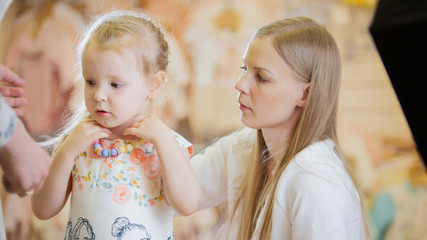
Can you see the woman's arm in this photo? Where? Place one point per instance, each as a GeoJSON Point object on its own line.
{"type": "Point", "coordinates": [180, 183]}
{"type": "Point", "coordinates": [219, 166]}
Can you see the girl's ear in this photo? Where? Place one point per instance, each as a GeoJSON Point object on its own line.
{"type": "Point", "coordinates": [303, 98]}
{"type": "Point", "coordinates": [156, 82]}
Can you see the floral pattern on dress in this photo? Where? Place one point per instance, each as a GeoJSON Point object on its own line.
{"type": "Point", "coordinates": [130, 176]}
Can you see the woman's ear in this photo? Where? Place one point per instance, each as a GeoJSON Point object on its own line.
{"type": "Point", "coordinates": [303, 98]}
{"type": "Point", "coordinates": [156, 83]}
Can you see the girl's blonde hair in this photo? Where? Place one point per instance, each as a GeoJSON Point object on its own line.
{"type": "Point", "coordinates": [311, 52]}
{"type": "Point", "coordinates": [115, 31]}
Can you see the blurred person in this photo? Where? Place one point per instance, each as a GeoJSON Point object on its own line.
{"type": "Point", "coordinates": [24, 163]}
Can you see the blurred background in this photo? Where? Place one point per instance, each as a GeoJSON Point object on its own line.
{"type": "Point", "coordinates": [208, 39]}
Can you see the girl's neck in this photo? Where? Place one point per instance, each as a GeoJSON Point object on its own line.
{"type": "Point", "coordinates": [118, 135]}
{"type": "Point", "coordinates": [117, 132]}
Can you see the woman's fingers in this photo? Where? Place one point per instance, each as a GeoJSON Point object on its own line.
{"type": "Point", "coordinates": [10, 77]}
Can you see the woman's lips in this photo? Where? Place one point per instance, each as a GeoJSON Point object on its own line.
{"type": "Point", "coordinates": [243, 107]}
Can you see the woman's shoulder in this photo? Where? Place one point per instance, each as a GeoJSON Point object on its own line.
{"type": "Point", "coordinates": [243, 137]}
{"type": "Point", "coordinates": [239, 139]}
{"type": "Point", "coordinates": [318, 168]}
{"type": "Point", "coordinates": [319, 158]}
{"type": "Point", "coordinates": [229, 148]}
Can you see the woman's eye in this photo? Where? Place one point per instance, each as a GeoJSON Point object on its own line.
{"type": "Point", "coordinates": [244, 68]}
{"type": "Point", "coordinates": [260, 78]}
{"type": "Point", "coordinates": [116, 85]}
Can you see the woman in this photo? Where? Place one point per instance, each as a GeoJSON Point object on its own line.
{"type": "Point", "coordinates": [284, 176]}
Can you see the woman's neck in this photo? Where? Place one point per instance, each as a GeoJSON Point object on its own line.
{"type": "Point", "coordinates": [277, 138]}
{"type": "Point", "coordinates": [277, 142]}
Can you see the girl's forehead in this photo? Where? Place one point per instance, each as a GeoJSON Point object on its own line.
{"type": "Point", "coordinates": [110, 62]}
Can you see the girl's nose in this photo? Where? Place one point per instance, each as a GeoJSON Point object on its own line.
{"type": "Point", "coordinates": [100, 95]}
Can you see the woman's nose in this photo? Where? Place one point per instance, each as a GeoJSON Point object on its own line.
{"type": "Point", "coordinates": [241, 85]}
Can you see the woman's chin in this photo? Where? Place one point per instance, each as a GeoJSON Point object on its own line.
{"type": "Point", "coordinates": [247, 123]}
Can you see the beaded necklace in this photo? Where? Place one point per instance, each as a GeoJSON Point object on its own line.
{"type": "Point", "coordinates": [111, 152]}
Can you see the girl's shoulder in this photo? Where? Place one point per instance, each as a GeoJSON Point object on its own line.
{"type": "Point", "coordinates": [182, 142]}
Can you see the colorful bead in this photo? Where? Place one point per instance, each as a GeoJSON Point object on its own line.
{"type": "Point", "coordinates": [105, 153]}
{"type": "Point", "coordinates": [129, 147]}
{"type": "Point", "coordinates": [111, 152]}
{"type": "Point", "coordinates": [122, 149]}
{"type": "Point", "coordinates": [114, 152]}
{"type": "Point", "coordinates": [98, 151]}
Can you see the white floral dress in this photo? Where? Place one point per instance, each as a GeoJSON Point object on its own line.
{"type": "Point", "coordinates": [120, 197]}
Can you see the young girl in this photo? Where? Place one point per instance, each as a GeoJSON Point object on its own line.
{"type": "Point", "coordinates": [284, 176]}
{"type": "Point", "coordinates": [117, 160]}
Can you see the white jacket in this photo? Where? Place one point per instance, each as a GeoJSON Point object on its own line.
{"type": "Point", "coordinates": [315, 197]}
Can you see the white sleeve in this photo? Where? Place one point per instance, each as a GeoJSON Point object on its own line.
{"type": "Point", "coordinates": [4, 5]}
{"type": "Point", "coordinates": [7, 122]}
{"type": "Point", "coordinates": [321, 209]}
{"type": "Point", "coordinates": [210, 168]}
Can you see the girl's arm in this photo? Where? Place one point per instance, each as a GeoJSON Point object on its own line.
{"type": "Point", "coordinates": [181, 186]}
{"type": "Point", "coordinates": [51, 198]}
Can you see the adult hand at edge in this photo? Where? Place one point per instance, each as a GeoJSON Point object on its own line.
{"type": "Point", "coordinates": [25, 164]}
{"type": "Point", "coordinates": [11, 89]}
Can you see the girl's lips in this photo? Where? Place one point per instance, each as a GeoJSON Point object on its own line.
{"type": "Point", "coordinates": [102, 113]}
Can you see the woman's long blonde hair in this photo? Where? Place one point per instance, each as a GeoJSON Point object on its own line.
{"type": "Point", "coordinates": [115, 31]}
{"type": "Point", "coordinates": [311, 52]}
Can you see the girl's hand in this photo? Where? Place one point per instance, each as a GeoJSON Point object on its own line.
{"type": "Point", "coordinates": [84, 134]}
{"type": "Point", "coordinates": [150, 129]}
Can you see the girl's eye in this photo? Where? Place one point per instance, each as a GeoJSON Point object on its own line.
{"type": "Point", "coordinates": [116, 85]}
{"type": "Point", "coordinates": [244, 68]}
{"type": "Point", "coordinates": [90, 82]}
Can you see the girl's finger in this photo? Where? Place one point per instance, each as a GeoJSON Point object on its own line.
{"type": "Point", "coordinates": [101, 129]}
{"type": "Point", "coordinates": [136, 124]}
{"type": "Point", "coordinates": [99, 135]}
{"type": "Point", "coordinates": [129, 131]}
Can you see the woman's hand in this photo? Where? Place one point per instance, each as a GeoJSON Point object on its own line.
{"type": "Point", "coordinates": [11, 89]}
{"type": "Point", "coordinates": [84, 134]}
{"type": "Point", "coordinates": [25, 164]}
{"type": "Point", "coordinates": [150, 129]}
